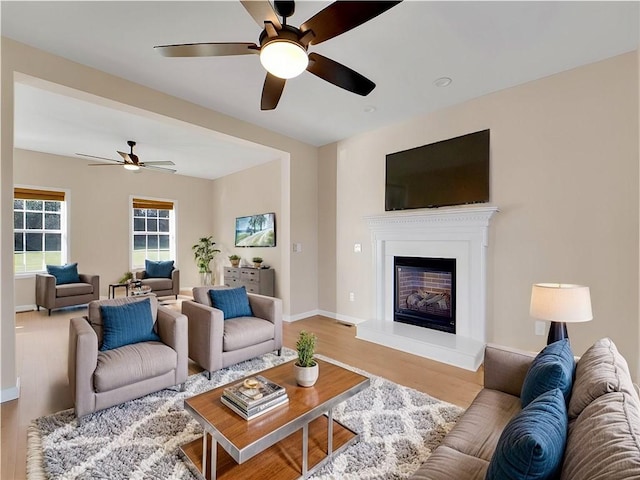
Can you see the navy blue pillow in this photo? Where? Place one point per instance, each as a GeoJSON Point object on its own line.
{"type": "Point", "coordinates": [64, 273]}
{"type": "Point", "coordinates": [159, 269]}
{"type": "Point", "coordinates": [532, 444]}
{"type": "Point", "coordinates": [232, 301]}
{"type": "Point", "coordinates": [552, 368]}
{"type": "Point", "coordinates": [127, 324]}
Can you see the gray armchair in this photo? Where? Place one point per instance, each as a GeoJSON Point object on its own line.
{"type": "Point", "coordinates": [162, 287]}
{"type": "Point", "coordinates": [215, 343]}
{"type": "Point", "coordinates": [100, 380]}
{"type": "Point", "coordinates": [50, 296]}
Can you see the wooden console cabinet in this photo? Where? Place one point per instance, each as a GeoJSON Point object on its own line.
{"type": "Point", "coordinates": [255, 280]}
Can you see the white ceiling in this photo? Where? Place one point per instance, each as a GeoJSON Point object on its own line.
{"type": "Point", "coordinates": [483, 46]}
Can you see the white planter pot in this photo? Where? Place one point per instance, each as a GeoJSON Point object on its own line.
{"type": "Point", "coordinates": [306, 376]}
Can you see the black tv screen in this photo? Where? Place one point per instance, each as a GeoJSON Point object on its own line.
{"type": "Point", "coordinates": [449, 172]}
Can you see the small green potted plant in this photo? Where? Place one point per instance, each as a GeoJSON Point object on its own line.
{"type": "Point", "coordinates": [234, 259]}
{"type": "Point", "coordinates": [257, 262]}
{"type": "Point", "coordinates": [126, 278]}
{"type": "Point", "coordinates": [306, 367]}
{"type": "Point", "coordinates": [203, 253]}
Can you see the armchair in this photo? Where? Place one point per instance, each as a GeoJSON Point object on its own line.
{"type": "Point", "coordinates": [102, 379]}
{"type": "Point", "coordinates": [162, 287]}
{"type": "Point", "coordinates": [215, 343]}
{"type": "Point", "coordinates": [50, 296]}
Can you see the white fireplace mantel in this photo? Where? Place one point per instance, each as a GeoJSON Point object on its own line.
{"type": "Point", "coordinates": [458, 232]}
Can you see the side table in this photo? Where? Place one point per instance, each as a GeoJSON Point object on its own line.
{"type": "Point", "coordinates": [113, 286]}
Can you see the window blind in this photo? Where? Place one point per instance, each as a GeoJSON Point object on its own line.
{"type": "Point", "coordinates": [154, 204]}
{"type": "Point", "coordinates": [34, 194]}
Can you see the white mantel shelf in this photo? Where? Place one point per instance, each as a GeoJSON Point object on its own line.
{"type": "Point", "coordinates": [454, 232]}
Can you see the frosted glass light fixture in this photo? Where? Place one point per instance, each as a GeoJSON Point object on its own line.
{"type": "Point", "coordinates": [131, 166]}
{"type": "Point", "coordinates": [284, 58]}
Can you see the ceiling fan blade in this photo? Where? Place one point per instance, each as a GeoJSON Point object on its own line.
{"type": "Point", "coordinates": [119, 164]}
{"type": "Point", "coordinates": [261, 11]}
{"type": "Point", "coordinates": [125, 156]}
{"type": "Point", "coordinates": [340, 17]}
{"type": "Point", "coordinates": [271, 92]}
{"type": "Point", "coordinates": [158, 162]}
{"type": "Point", "coordinates": [207, 49]}
{"type": "Point", "coordinates": [101, 158]}
{"type": "Point", "coordinates": [165, 170]}
{"type": "Point", "coordinates": [339, 75]}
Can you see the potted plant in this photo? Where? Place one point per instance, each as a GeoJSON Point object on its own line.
{"type": "Point", "coordinates": [235, 260]}
{"type": "Point", "coordinates": [203, 253]}
{"type": "Point", "coordinates": [257, 262]}
{"type": "Point", "coordinates": [126, 278]}
{"type": "Point", "coordinates": [306, 368]}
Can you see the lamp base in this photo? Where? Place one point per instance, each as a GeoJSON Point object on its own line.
{"type": "Point", "coordinates": [557, 331]}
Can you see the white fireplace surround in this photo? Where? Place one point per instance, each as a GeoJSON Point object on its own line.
{"type": "Point", "coordinates": [457, 232]}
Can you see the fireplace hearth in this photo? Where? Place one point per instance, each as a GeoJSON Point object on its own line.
{"type": "Point", "coordinates": [425, 292]}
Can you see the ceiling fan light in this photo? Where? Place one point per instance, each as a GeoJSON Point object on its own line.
{"type": "Point", "coordinates": [131, 166]}
{"type": "Point", "coordinates": [284, 59]}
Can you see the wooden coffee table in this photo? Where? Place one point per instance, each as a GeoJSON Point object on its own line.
{"type": "Point", "coordinates": [289, 442]}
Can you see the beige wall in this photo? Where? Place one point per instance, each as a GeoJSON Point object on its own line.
{"type": "Point", "coordinates": [299, 187]}
{"type": "Point", "coordinates": [99, 214]}
{"type": "Point", "coordinates": [250, 192]}
{"type": "Point", "coordinates": [327, 208]}
{"type": "Point", "coordinates": [564, 174]}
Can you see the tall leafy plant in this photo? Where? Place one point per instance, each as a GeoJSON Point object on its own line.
{"type": "Point", "coordinates": [203, 252]}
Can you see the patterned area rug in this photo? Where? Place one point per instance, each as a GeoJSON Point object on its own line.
{"type": "Point", "coordinates": [399, 428]}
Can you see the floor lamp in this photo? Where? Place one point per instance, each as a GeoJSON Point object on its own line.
{"type": "Point", "coordinates": [560, 303]}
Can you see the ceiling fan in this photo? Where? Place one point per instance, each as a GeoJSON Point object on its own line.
{"type": "Point", "coordinates": [283, 48]}
{"type": "Point", "coordinates": [130, 161]}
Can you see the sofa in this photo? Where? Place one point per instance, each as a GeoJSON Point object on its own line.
{"type": "Point", "coordinates": [50, 294]}
{"type": "Point", "coordinates": [216, 341]}
{"type": "Point", "coordinates": [161, 286]}
{"type": "Point", "coordinates": [602, 414]}
{"type": "Point", "coordinates": [101, 376]}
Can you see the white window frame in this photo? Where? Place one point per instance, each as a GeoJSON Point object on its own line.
{"type": "Point", "coordinates": [172, 229]}
{"type": "Point", "coordinates": [64, 227]}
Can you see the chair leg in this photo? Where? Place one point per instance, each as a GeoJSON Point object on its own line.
{"type": "Point", "coordinates": [38, 307]}
{"type": "Point", "coordinates": [209, 374]}
{"type": "Point", "coordinates": [49, 312]}
{"type": "Point", "coordinates": [183, 386]}
{"type": "Point", "coordinates": [279, 352]}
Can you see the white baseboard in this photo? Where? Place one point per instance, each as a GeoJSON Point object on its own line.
{"type": "Point", "coordinates": [336, 316]}
{"type": "Point", "coordinates": [8, 394]}
{"type": "Point", "coordinates": [25, 308]}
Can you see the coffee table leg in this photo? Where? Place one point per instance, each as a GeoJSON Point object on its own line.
{"type": "Point", "coordinates": [305, 449]}
{"type": "Point", "coordinates": [214, 460]}
{"type": "Point", "coordinates": [330, 434]}
{"type": "Point", "coordinates": [204, 454]}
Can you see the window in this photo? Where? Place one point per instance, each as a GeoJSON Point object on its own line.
{"type": "Point", "coordinates": [39, 229]}
{"type": "Point", "coordinates": [153, 231]}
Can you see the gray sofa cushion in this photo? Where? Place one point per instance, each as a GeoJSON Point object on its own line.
{"type": "Point", "coordinates": [477, 432]}
{"type": "Point", "coordinates": [158, 284]}
{"type": "Point", "coordinates": [131, 364]}
{"type": "Point", "coordinates": [243, 332]}
{"type": "Point", "coordinates": [448, 464]}
{"type": "Point", "coordinates": [604, 441]}
{"type": "Point", "coordinates": [73, 289]}
{"type": "Point", "coordinates": [600, 370]}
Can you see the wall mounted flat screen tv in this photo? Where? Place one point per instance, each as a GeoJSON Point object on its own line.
{"type": "Point", "coordinates": [256, 230]}
{"type": "Point", "coordinates": [449, 172]}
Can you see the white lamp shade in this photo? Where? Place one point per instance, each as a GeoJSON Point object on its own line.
{"type": "Point", "coordinates": [284, 59]}
{"type": "Point", "coordinates": [561, 302]}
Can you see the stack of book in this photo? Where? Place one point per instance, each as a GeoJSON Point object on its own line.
{"type": "Point", "coordinates": [253, 397]}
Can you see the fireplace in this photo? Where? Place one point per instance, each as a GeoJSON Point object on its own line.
{"type": "Point", "coordinates": [425, 293]}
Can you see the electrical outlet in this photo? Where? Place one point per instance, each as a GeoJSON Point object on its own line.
{"type": "Point", "coordinates": [540, 327]}
{"type": "Point", "coordinates": [357, 247]}
{"type": "Point", "coordinates": [352, 297]}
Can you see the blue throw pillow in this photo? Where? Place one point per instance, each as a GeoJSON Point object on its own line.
{"type": "Point", "coordinates": [127, 324]}
{"type": "Point", "coordinates": [64, 273]}
{"type": "Point", "coordinates": [532, 444]}
{"type": "Point", "coordinates": [159, 269]}
{"type": "Point", "coordinates": [232, 301]}
{"type": "Point", "coordinates": [552, 368]}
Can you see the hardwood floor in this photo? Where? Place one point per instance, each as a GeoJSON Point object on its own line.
{"type": "Point", "coordinates": [41, 349]}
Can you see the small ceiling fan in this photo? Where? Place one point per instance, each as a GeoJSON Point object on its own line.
{"type": "Point", "coordinates": [130, 161]}
{"type": "Point", "coordinates": [283, 48]}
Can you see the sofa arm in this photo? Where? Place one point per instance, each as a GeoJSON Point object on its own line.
{"type": "Point", "coordinates": [505, 368]}
{"type": "Point", "coordinates": [269, 308]}
{"type": "Point", "coordinates": [45, 290]}
{"type": "Point", "coordinates": [140, 274]}
{"type": "Point", "coordinates": [206, 333]}
{"type": "Point", "coordinates": [173, 331]}
{"type": "Point", "coordinates": [175, 281]}
{"type": "Point", "coordinates": [94, 280]}
{"type": "Point", "coordinates": [83, 360]}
